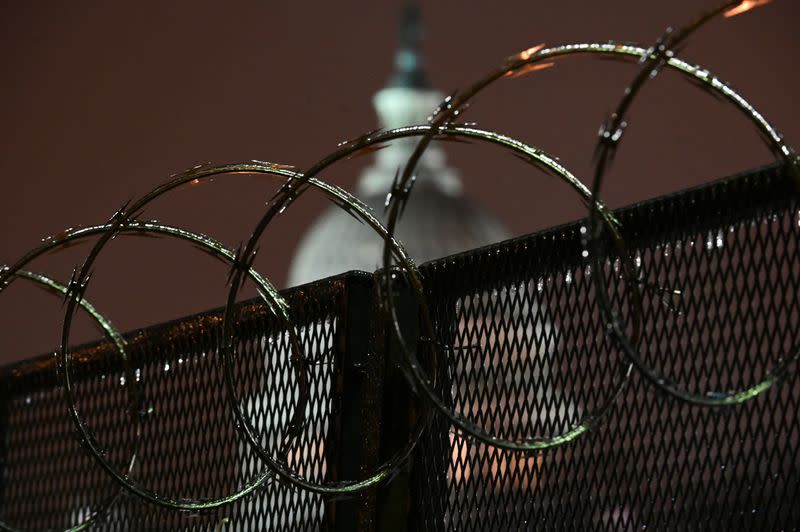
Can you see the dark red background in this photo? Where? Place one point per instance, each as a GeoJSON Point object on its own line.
{"type": "Point", "coordinates": [101, 101]}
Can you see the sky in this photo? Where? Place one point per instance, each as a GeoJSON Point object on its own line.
{"type": "Point", "coordinates": [100, 102]}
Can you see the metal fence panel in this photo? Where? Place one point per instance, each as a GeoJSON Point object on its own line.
{"type": "Point", "coordinates": [525, 353]}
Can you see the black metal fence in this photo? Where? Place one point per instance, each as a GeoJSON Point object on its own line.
{"type": "Point", "coordinates": [525, 352]}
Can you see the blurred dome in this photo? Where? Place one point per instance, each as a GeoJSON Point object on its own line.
{"type": "Point", "coordinates": [438, 220]}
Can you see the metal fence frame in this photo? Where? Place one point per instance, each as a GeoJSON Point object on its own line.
{"type": "Point", "coordinates": [371, 406]}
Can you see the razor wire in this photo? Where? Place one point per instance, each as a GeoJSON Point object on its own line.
{"type": "Point", "coordinates": [604, 244]}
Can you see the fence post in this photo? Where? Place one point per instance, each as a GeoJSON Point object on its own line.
{"type": "Point", "coordinates": [399, 409]}
{"type": "Point", "coordinates": [375, 407]}
{"type": "Point", "coordinates": [356, 395]}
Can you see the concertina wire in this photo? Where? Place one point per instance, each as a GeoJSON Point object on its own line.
{"type": "Point", "coordinates": [601, 242]}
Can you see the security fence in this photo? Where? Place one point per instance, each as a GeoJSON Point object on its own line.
{"type": "Point", "coordinates": [521, 351]}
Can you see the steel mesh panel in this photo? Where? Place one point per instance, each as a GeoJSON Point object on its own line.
{"type": "Point", "coordinates": [189, 446]}
{"type": "Point", "coordinates": [528, 355]}
{"type": "Point", "coordinates": [526, 352]}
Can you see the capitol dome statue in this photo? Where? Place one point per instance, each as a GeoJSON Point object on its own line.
{"type": "Point", "coordinates": [438, 220]}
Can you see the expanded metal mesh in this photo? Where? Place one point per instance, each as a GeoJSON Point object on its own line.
{"type": "Point", "coordinates": [189, 446]}
{"type": "Point", "coordinates": [719, 272]}
{"type": "Point", "coordinates": [525, 353]}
